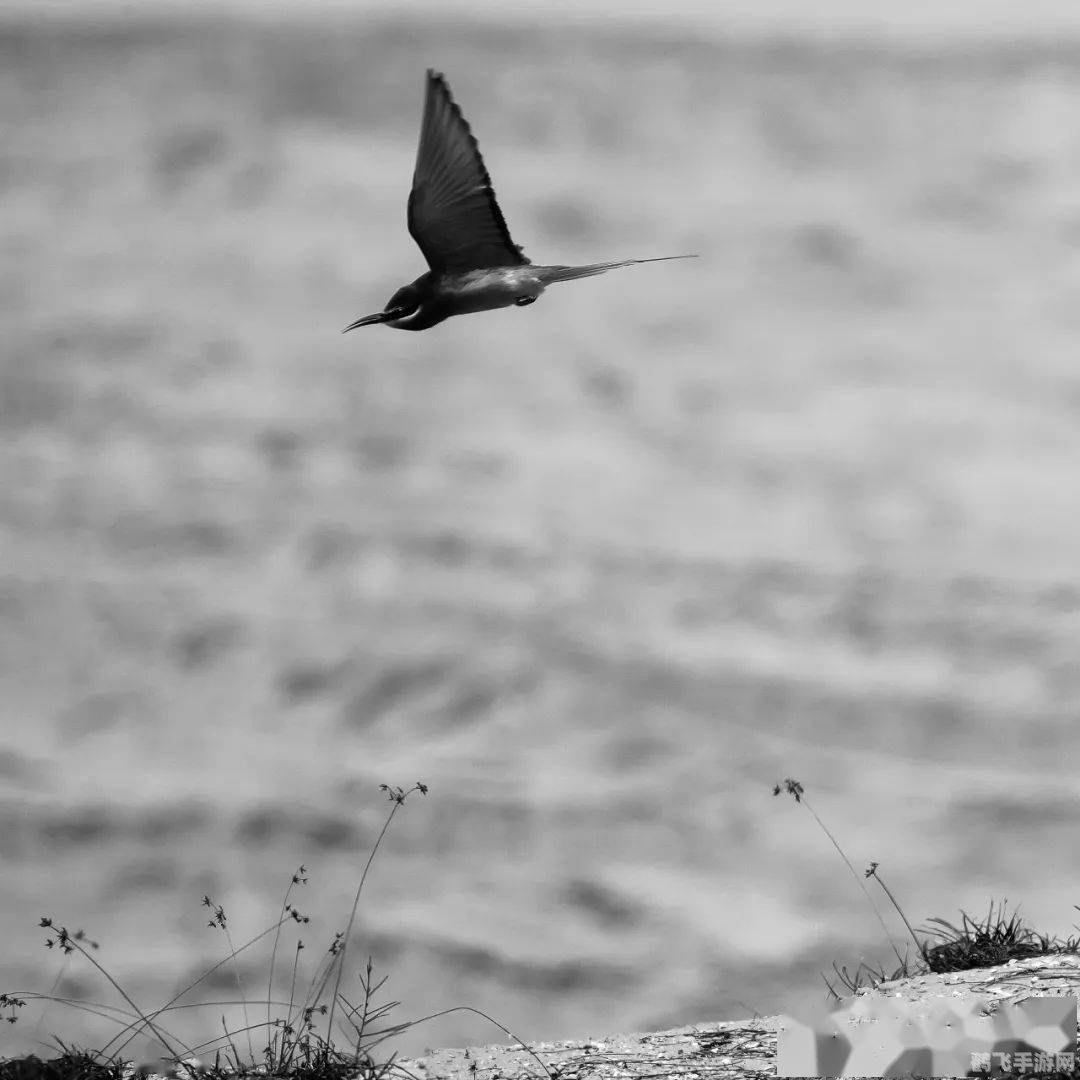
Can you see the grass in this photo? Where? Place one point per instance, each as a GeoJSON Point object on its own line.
{"type": "Point", "coordinates": [944, 947]}
{"type": "Point", "coordinates": [302, 1031]}
{"type": "Point", "coordinates": [324, 1034]}
{"type": "Point", "coordinates": [70, 1064]}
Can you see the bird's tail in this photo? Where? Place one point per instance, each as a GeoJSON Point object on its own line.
{"type": "Point", "coordinates": [551, 274]}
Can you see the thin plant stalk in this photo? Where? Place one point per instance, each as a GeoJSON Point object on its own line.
{"type": "Point", "coordinates": [398, 797]}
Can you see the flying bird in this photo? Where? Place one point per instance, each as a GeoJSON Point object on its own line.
{"type": "Point", "coordinates": [459, 228]}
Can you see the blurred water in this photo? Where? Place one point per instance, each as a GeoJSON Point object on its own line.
{"type": "Point", "coordinates": [963, 20]}
{"type": "Point", "coordinates": [599, 571]}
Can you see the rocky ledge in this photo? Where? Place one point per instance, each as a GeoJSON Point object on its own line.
{"type": "Point", "coordinates": [736, 1048]}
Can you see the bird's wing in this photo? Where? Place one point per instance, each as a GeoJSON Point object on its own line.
{"type": "Point", "coordinates": [453, 215]}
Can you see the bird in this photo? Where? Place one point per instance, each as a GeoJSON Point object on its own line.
{"type": "Point", "coordinates": [453, 216]}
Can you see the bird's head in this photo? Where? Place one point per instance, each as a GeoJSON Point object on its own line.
{"type": "Point", "coordinates": [400, 308]}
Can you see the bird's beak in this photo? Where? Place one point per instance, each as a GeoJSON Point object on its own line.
{"type": "Point", "coordinates": [371, 320]}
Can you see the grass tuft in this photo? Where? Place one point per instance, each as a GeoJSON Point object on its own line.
{"type": "Point", "coordinates": [973, 944]}
{"type": "Point", "coordinates": [71, 1064]}
{"type": "Point", "coordinates": [996, 940]}
{"type": "Point", "coordinates": [317, 1034]}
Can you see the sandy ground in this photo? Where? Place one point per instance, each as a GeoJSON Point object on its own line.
{"type": "Point", "coordinates": [599, 571]}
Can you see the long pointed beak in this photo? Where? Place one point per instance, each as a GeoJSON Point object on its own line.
{"type": "Point", "coordinates": [371, 320]}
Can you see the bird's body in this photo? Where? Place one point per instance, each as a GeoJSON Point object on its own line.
{"type": "Point", "coordinates": [457, 224]}
{"type": "Point", "coordinates": [471, 290]}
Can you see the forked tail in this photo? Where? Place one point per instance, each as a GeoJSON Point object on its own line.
{"type": "Point", "coordinates": [551, 274]}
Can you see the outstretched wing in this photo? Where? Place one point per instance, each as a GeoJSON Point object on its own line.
{"type": "Point", "coordinates": [453, 215]}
